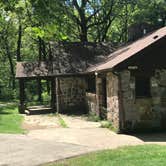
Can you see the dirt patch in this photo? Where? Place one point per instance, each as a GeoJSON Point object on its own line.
{"type": "Point", "coordinates": [46, 121]}
{"type": "Point", "coordinates": [35, 122]}
{"type": "Point", "coordinates": [79, 122]}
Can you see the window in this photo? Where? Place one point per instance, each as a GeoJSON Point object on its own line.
{"type": "Point", "coordinates": [142, 86]}
{"type": "Point", "coordinates": [91, 84]}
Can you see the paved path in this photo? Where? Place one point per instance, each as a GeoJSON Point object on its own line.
{"type": "Point", "coordinates": [49, 144]}
{"type": "Point", "coordinates": [22, 150]}
{"type": "Point", "coordinates": [96, 138]}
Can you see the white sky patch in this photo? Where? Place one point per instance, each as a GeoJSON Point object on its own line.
{"type": "Point", "coordinates": [7, 18]}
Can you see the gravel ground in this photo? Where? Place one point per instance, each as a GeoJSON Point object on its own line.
{"type": "Point", "coordinates": [34, 122]}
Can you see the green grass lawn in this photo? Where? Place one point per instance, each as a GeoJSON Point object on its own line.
{"type": "Point", "coordinates": [142, 155]}
{"type": "Point", "coordinates": [10, 119]}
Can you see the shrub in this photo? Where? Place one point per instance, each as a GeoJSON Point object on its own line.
{"type": "Point", "coordinates": [93, 117]}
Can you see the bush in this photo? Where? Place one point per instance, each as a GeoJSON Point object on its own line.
{"type": "Point", "coordinates": [8, 94]}
{"type": "Point", "coordinates": [108, 124]}
{"type": "Point", "coordinates": [93, 117]}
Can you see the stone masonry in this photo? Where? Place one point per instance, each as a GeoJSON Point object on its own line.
{"type": "Point", "coordinates": [147, 112]}
{"type": "Point", "coordinates": [138, 112]}
{"type": "Point", "coordinates": [95, 101]}
{"type": "Point", "coordinates": [72, 94]}
{"type": "Point", "coordinates": [113, 100]}
{"type": "Point", "coordinates": [91, 103]}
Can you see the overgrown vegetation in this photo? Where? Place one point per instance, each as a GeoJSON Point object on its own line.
{"type": "Point", "coordinates": [93, 117]}
{"type": "Point", "coordinates": [10, 119]}
{"type": "Point", "coordinates": [61, 121]}
{"type": "Point", "coordinates": [145, 155]}
{"type": "Point", "coordinates": [108, 124]}
{"type": "Point", "coordinates": [104, 123]}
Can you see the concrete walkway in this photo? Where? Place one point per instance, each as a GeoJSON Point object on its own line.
{"type": "Point", "coordinates": [22, 150]}
{"type": "Point", "coordinates": [95, 138]}
{"type": "Point", "coordinates": [49, 144]}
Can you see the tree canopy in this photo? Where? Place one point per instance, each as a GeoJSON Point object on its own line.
{"type": "Point", "coordinates": [27, 26]}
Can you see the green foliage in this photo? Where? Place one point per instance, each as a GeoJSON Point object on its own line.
{"type": "Point", "coordinates": [106, 124]}
{"type": "Point", "coordinates": [31, 92]}
{"type": "Point", "coordinates": [93, 117]}
{"type": "Point", "coordinates": [144, 155]}
{"type": "Point", "coordinates": [46, 96]}
{"type": "Point", "coordinates": [10, 119]}
{"type": "Point", "coordinates": [66, 20]}
{"type": "Point", "coordinates": [61, 121]}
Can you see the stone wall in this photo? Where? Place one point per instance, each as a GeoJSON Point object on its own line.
{"type": "Point", "coordinates": [128, 99]}
{"type": "Point", "coordinates": [113, 100]}
{"type": "Point", "coordinates": [91, 103]}
{"type": "Point", "coordinates": [158, 91]}
{"type": "Point", "coordinates": [72, 94]}
{"type": "Point", "coordinates": [148, 112]}
{"type": "Point", "coordinates": [96, 101]}
{"type": "Point", "coordinates": [138, 113]}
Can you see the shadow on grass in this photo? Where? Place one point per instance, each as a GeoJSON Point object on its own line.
{"type": "Point", "coordinates": [5, 109]}
{"type": "Point", "coordinates": [2, 112]}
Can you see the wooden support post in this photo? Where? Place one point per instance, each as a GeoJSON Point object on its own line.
{"type": "Point", "coordinates": [101, 96]}
{"type": "Point", "coordinates": [39, 90]}
{"type": "Point", "coordinates": [57, 95]}
{"type": "Point", "coordinates": [97, 95]}
{"type": "Point", "coordinates": [121, 108]}
{"type": "Point", "coordinates": [103, 112]}
{"type": "Point", "coordinates": [53, 94]}
{"type": "Point", "coordinates": [22, 96]}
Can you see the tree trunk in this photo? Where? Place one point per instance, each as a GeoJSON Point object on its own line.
{"type": "Point", "coordinates": [43, 50]}
{"type": "Point", "coordinates": [39, 80]}
{"type": "Point", "coordinates": [50, 57]}
{"type": "Point", "coordinates": [40, 48]}
{"type": "Point", "coordinates": [84, 33]}
{"type": "Point", "coordinates": [126, 23]}
{"type": "Point", "coordinates": [10, 63]}
{"type": "Point", "coordinates": [104, 35]}
{"type": "Point", "coordinates": [82, 22]}
{"type": "Point", "coordinates": [19, 43]}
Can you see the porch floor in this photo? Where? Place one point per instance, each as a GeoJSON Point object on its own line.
{"type": "Point", "coordinates": [40, 109]}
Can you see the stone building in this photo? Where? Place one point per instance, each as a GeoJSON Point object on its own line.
{"type": "Point", "coordinates": [131, 84]}
{"type": "Point", "coordinates": [65, 72]}
{"type": "Point", "coordinates": [127, 87]}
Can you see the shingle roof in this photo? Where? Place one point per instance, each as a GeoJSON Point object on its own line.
{"type": "Point", "coordinates": [129, 50]}
{"type": "Point", "coordinates": [68, 58]}
{"type": "Point", "coordinates": [78, 58]}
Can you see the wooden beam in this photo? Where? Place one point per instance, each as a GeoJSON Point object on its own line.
{"type": "Point", "coordinates": [98, 96]}
{"type": "Point", "coordinates": [53, 94]}
{"type": "Point", "coordinates": [121, 107]}
{"type": "Point", "coordinates": [57, 95]}
{"type": "Point", "coordinates": [39, 86]}
{"type": "Point", "coordinates": [22, 96]}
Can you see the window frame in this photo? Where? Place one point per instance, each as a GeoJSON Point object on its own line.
{"type": "Point", "coordinates": [142, 86]}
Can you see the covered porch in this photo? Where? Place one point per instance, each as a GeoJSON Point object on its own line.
{"type": "Point", "coordinates": [38, 105]}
